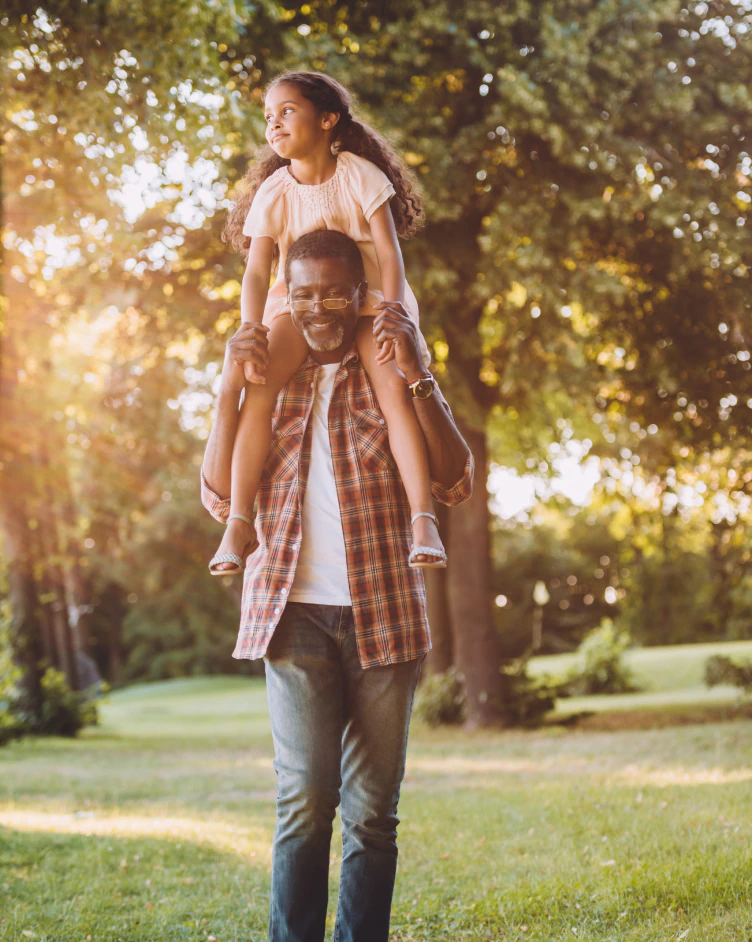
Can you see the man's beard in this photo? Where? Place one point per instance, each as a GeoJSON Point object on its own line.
{"type": "Point", "coordinates": [325, 345]}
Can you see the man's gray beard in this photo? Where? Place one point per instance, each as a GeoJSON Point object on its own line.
{"type": "Point", "coordinates": [325, 346]}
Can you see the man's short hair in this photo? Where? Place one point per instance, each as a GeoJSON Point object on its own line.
{"type": "Point", "coordinates": [327, 243]}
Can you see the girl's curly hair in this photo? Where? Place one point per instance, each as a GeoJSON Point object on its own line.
{"type": "Point", "coordinates": [327, 95]}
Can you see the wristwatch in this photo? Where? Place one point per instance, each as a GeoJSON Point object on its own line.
{"type": "Point", "coordinates": [423, 388]}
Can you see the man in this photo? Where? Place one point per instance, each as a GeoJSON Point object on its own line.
{"type": "Point", "coordinates": [329, 600]}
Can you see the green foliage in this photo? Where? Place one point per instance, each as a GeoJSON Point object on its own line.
{"type": "Point", "coordinates": [527, 698]}
{"type": "Point", "coordinates": [440, 699]}
{"type": "Point", "coordinates": [600, 666]}
{"type": "Point", "coordinates": [583, 270]}
{"type": "Point", "coordinates": [63, 712]}
{"type": "Point", "coordinates": [720, 669]}
{"type": "Point", "coordinates": [9, 677]}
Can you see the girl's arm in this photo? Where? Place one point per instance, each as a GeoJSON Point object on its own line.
{"type": "Point", "coordinates": [391, 265]}
{"type": "Point", "coordinates": [388, 253]}
{"type": "Point", "coordinates": [256, 279]}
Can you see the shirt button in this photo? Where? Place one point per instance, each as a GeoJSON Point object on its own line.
{"type": "Point", "coordinates": [277, 611]}
{"type": "Point", "coordinates": [381, 422]}
{"type": "Point", "coordinates": [283, 591]}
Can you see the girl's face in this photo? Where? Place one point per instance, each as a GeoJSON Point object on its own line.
{"type": "Point", "coordinates": [294, 126]}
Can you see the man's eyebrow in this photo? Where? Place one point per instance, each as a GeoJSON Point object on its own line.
{"type": "Point", "coordinates": [334, 286]}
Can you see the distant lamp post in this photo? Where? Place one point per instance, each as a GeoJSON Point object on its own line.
{"type": "Point", "coordinates": [541, 598]}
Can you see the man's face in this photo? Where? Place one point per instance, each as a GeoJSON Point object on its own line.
{"type": "Point", "coordinates": [315, 279]}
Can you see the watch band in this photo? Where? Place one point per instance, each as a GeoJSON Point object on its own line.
{"type": "Point", "coordinates": [419, 384]}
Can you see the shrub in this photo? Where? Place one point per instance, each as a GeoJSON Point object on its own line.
{"type": "Point", "coordinates": [63, 711]}
{"type": "Point", "coordinates": [528, 699]}
{"type": "Point", "coordinates": [600, 666]}
{"type": "Point", "coordinates": [720, 669]}
{"type": "Point", "coordinates": [441, 699]}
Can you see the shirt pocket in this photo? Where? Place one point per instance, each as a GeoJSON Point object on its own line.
{"type": "Point", "coordinates": [284, 452]}
{"type": "Point", "coordinates": [372, 437]}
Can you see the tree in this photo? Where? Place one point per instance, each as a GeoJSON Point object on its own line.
{"type": "Point", "coordinates": [91, 89]}
{"type": "Point", "coordinates": [561, 149]}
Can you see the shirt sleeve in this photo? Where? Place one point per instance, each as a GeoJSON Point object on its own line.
{"type": "Point", "coordinates": [461, 491]}
{"type": "Point", "coordinates": [266, 215]}
{"type": "Point", "coordinates": [218, 507]}
{"type": "Point", "coordinates": [372, 185]}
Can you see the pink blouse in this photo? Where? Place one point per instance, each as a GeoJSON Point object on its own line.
{"type": "Point", "coordinates": [284, 210]}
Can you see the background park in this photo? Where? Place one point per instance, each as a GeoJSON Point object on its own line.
{"type": "Point", "coordinates": [581, 754]}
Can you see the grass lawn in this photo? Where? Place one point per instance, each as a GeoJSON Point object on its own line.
{"type": "Point", "coordinates": [158, 824]}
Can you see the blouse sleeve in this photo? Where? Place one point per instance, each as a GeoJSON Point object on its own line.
{"type": "Point", "coordinates": [266, 215]}
{"type": "Point", "coordinates": [371, 185]}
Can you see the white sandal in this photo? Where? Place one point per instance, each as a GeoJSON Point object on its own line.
{"type": "Point", "coordinates": [439, 554]}
{"type": "Point", "coordinates": [239, 561]}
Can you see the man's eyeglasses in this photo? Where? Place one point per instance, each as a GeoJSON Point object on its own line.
{"type": "Point", "coordinates": [301, 305]}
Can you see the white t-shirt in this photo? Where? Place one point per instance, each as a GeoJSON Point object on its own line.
{"type": "Point", "coordinates": [321, 574]}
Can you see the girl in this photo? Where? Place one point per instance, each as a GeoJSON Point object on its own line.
{"type": "Point", "coordinates": [326, 170]}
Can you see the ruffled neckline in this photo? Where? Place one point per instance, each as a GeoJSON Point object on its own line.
{"type": "Point", "coordinates": [315, 188]}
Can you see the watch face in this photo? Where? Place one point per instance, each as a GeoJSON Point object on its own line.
{"type": "Point", "coordinates": [423, 389]}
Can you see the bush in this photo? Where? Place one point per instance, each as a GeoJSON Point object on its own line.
{"type": "Point", "coordinates": [720, 669]}
{"type": "Point", "coordinates": [528, 699]}
{"type": "Point", "coordinates": [600, 666]}
{"type": "Point", "coordinates": [63, 711]}
{"type": "Point", "coordinates": [441, 699]}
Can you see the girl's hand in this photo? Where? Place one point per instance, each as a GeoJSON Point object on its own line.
{"type": "Point", "coordinates": [394, 327]}
{"type": "Point", "coordinates": [247, 350]}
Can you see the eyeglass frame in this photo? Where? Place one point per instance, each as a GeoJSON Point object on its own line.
{"type": "Point", "coordinates": [324, 301]}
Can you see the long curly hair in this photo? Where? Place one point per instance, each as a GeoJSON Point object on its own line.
{"type": "Point", "coordinates": [350, 134]}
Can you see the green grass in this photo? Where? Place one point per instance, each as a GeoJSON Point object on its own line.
{"type": "Point", "coordinates": [670, 676]}
{"type": "Point", "coordinates": [158, 824]}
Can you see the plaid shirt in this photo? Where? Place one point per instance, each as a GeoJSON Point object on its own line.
{"type": "Point", "coordinates": [388, 598]}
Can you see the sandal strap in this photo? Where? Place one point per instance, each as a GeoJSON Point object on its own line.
{"type": "Point", "coordinates": [240, 517]}
{"type": "Point", "coordinates": [426, 551]}
{"type": "Point", "coordinates": [424, 513]}
{"type": "Point", "coordinates": [226, 558]}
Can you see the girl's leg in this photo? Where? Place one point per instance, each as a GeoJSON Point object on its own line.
{"type": "Point", "coordinates": [405, 435]}
{"type": "Point", "coordinates": [287, 350]}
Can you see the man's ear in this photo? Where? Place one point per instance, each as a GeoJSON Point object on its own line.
{"type": "Point", "coordinates": [363, 291]}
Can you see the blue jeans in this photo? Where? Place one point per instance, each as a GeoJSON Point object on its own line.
{"type": "Point", "coordinates": [335, 726]}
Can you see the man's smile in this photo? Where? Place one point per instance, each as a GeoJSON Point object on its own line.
{"type": "Point", "coordinates": [321, 321]}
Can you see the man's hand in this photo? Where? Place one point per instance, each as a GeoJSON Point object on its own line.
{"type": "Point", "coordinates": [248, 345]}
{"type": "Point", "coordinates": [394, 326]}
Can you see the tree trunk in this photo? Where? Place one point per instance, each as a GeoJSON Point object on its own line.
{"type": "Point", "coordinates": [476, 643]}
{"type": "Point", "coordinates": [27, 618]}
{"type": "Point", "coordinates": [441, 656]}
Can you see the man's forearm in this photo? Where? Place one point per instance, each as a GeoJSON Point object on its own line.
{"type": "Point", "coordinates": [218, 455]}
{"type": "Point", "coordinates": [447, 449]}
